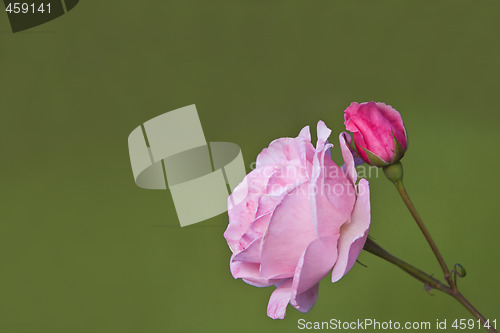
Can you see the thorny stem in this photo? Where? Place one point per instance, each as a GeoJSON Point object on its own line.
{"type": "Point", "coordinates": [429, 281]}
{"type": "Point", "coordinates": [404, 195]}
{"type": "Point", "coordinates": [395, 174]}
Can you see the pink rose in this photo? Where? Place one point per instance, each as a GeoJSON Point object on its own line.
{"type": "Point", "coordinates": [296, 216]}
{"type": "Point", "coordinates": [379, 134]}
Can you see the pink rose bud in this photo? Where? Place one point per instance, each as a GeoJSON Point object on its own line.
{"type": "Point", "coordinates": [379, 133]}
{"type": "Point", "coordinates": [296, 218]}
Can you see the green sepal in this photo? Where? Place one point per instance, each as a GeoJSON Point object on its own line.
{"type": "Point", "coordinates": [399, 151]}
{"type": "Point", "coordinates": [375, 159]}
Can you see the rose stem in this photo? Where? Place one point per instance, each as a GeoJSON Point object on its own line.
{"type": "Point", "coordinates": [429, 281]}
{"type": "Point", "coordinates": [395, 173]}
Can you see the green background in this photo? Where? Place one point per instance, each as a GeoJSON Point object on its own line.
{"type": "Point", "coordinates": [83, 249]}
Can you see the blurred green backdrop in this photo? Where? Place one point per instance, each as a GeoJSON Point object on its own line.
{"type": "Point", "coordinates": [83, 249]}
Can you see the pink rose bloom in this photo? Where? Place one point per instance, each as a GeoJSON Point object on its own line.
{"type": "Point", "coordinates": [379, 134]}
{"type": "Point", "coordinates": [296, 216]}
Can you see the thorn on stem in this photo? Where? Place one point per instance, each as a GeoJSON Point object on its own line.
{"type": "Point", "coordinates": [428, 289]}
{"type": "Point", "coordinates": [359, 262]}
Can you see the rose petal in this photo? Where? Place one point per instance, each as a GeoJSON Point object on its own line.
{"type": "Point", "coordinates": [359, 142]}
{"type": "Point", "coordinates": [353, 234]}
{"type": "Point", "coordinates": [251, 253]}
{"type": "Point", "coordinates": [350, 169]}
{"type": "Point", "coordinates": [332, 205]}
{"type": "Point", "coordinates": [305, 134]}
{"type": "Point", "coordinates": [396, 121]}
{"type": "Point", "coordinates": [256, 230]}
{"type": "Point", "coordinates": [249, 272]}
{"type": "Point", "coordinates": [276, 309]}
{"type": "Point", "coordinates": [315, 263]}
{"type": "Point", "coordinates": [349, 112]}
{"type": "Point", "coordinates": [243, 214]}
{"type": "Point", "coordinates": [305, 301]}
{"type": "Point", "coordinates": [332, 195]}
{"type": "Point", "coordinates": [281, 152]}
{"type": "Point", "coordinates": [280, 298]}
{"type": "Point", "coordinates": [285, 178]}
{"type": "Point", "coordinates": [376, 131]}
{"type": "Point", "coordinates": [323, 134]}
{"type": "Point", "coordinates": [288, 234]}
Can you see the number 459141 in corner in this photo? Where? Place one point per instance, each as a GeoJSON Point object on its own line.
{"type": "Point", "coordinates": [462, 324]}
{"type": "Point", "coordinates": [24, 8]}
